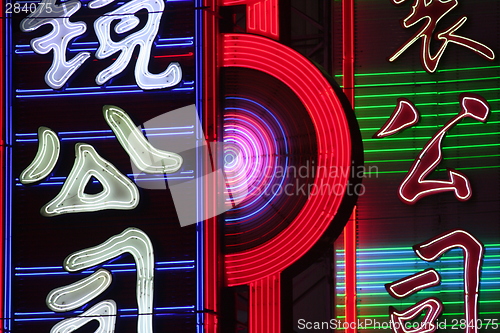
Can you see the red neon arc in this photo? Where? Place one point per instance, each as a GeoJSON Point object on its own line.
{"type": "Point", "coordinates": [431, 12]}
{"type": "Point", "coordinates": [404, 116]}
{"type": "Point", "coordinates": [473, 250]}
{"type": "Point", "coordinates": [400, 319]}
{"type": "Point", "coordinates": [415, 186]}
{"type": "Point", "coordinates": [334, 148]}
{"type": "Point", "coordinates": [413, 283]}
{"type": "Point", "coordinates": [262, 16]}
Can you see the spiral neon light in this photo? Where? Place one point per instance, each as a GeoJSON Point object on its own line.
{"type": "Point", "coordinates": [334, 148]}
{"type": "Point", "coordinates": [252, 157]}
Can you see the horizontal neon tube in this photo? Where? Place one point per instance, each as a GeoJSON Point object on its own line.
{"type": "Point", "coordinates": [391, 106]}
{"type": "Point", "coordinates": [427, 138]}
{"type": "Point", "coordinates": [383, 250]}
{"type": "Point", "coordinates": [374, 282]}
{"type": "Point", "coordinates": [108, 265]}
{"type": "Point", "coordinates": [485, 269]}
{"type": "Point", "coordinates": [106, 88]}
{"type": "Point", "coordinates": [375, 305]}
{"type": "Point", "coordinates": [409, 271]}
{"type": "Point", "coordinates": [377, 85]}
{"type": "Point", "coordinates": [434, 93]}
{"type": "Point", "coordinates": [442, 289]}
{"type": "Point", "coordinates": [412, 262]}
{"type": "Point", "coordinates": [92, 46]}
{"type": "Point", "coordinates": [446, 159]}
{"type": "Point", "coordinates": [427, 116]}
{"type": "Point", "coordinates": [111, 270]}
{"type": "Point", "coordinates": [97, 93]}
{"type": "Point", "coordinates": [162, 177]}
{"type": "Point", "coordinates": [440, 169]}
{"type": "Point", "coordinates": [44, 313]}
{"type": "Point", "coordinates": [384, 74]}
{"type": "Point", "coordinates": [419, 149]}
{"type": "Point", "coordinates": [431, 292]}
{"type": "Point", "coordinates": [118, 268]}
{"type": "Point", "coordinates": [104, 137]}
{"type": "Point", "coordinates": [408, 260]}
{"type": "Point", "coordinates": [189, 309]}
{"type": "Point", "coordinates": [106, 131]}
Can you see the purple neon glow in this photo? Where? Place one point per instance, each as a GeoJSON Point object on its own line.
{"type": "Point", "coordinates": [255, 149]}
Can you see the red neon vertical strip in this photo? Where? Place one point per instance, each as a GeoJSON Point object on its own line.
{"type": "Point", "coordinates": [265, 297]}
{"type": "Point", "coordinates": [350, 229]}
{"type": "Point", "coordinates": [2, 172]}
{"type": "Point", "coordinates": [265, 308]}
{"type": "Point", "coordinates": [350, 272]}
{"type": "Point", "coordinates": [210, 105]}
{"type": "Point", "coordinates": [262, 16]}
{"type": "Point", "coordinates": [348, 49]}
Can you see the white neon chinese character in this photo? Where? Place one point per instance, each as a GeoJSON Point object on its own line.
{"type": "Point", "coordinates": [143, 38]}
{"type": "Point", "coordinates": [132, 241]}
{"type": "Point", "coordinates": [45, 159]}
{"type": "Point", "coordinates": [63, 31]}
{"type": "Point", "coordinates": [119, 192]}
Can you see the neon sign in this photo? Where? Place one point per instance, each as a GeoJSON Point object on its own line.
{"type": "Point", "coordinates": [132, 241]}
{"type": "Point", "coordinates": [404, 116]}
{"type": "Point", "coordinates": [146, 157]}
{"type": "Point", "coordinates": [415, 186]}
{"type": "Point", "coordinates": [431, 12]}
{"type": "Point", "coordinates": [64, 31]}
{"type": "Point", "coordinates": [103, 312]}
{"type": "Point", "coordinates": [261, 267]}
{"type": "Point", "coordinates": [431, 250]}
{"type": "Point", "coordinates": [45, 159]}
{"type": "Point", "coordinates": [119, 192]}
{"type": "Point", "coordinates": [77, 294]}
{"type": "Point", "coordinates": [100, 174]}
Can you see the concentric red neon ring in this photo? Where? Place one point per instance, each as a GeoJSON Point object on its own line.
{"type": "Point", "coordinates": [334, 149]}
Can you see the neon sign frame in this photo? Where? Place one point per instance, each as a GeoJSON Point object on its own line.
{"type": "Point", "coordinates": [7, 181]}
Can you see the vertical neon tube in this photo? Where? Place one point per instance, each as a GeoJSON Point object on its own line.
{"type": "Point", "coordinates": [2, 145]}
{"type": "Point", "coordinates": [262, 16]}
{"type": "Point", "coordinates": [200, 228]}
{"type": "Point", "coordinates": [6, 157]}
{"type": "Point", "coordinates": [350, 272]}
{"type": "Point", "coordinates": [265, 298]}
{"type": "Point", "coordinates": [210, 106]}
{"type": "Point", "coordinates": [350, 229]}
{"type": "Point", "coordinates": [265, 301]}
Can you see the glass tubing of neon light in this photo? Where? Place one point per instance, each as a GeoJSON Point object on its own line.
{"type": "Point", "coordinates": [80, 136]}
{"type": "Point", "coordinates": [9, 178]}
{"type": "Point", "coordinates": [449, 258]}
{"type": "Point", "coordinates": [242, 218]}
{"type": "Point", "coordinates": [200, 232]}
